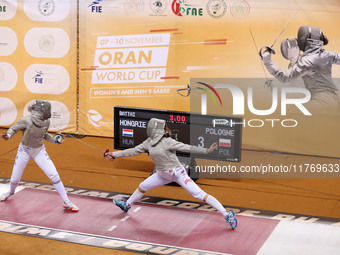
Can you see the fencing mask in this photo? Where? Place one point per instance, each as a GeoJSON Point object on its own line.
{"type": "Point", "coordinates": [307, 32]}
{"type": "Point", "coordinates": [290, 50]}
{"type": "Point", "coordinates": [155, 130]}
{"type": "Point", "coordinates": [43, 107]}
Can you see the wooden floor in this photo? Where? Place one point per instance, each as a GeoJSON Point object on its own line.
{"type": "Point", "coordinates": [80, 165]}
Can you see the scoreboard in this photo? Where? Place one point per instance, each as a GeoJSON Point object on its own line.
{"type": "Point", "coordinates": [200, 130]}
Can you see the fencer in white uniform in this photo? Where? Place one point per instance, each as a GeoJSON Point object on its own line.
{"type": "Point", "coordinates": [314, 66]}
{"type": "Point", "coordinates": [34, 128]}
{"type": "Point", "coordinates": [162, 149]}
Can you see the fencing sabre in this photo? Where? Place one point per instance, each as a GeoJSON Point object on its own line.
{"type": "Point", "coordinates": [105, 153]}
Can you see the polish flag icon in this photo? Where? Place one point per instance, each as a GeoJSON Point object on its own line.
{"type": "Point", "coordinates": [224, 142]}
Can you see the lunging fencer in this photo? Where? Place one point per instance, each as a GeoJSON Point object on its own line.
{"type": "Point", "coordinates": [34, 128]}
{"type": "Point", "coordinates": [162, 149]}
{"type": "Point", "coordinates": [314, 66]}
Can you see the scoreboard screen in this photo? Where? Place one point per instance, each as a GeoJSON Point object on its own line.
{"type": "Point", "coordinates": [200, 130]}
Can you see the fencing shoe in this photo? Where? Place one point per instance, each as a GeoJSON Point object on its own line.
{"type": "Point", "coordinates": [70, 206]}
{"type": "Point", "coordinates": [5, 196]}
{"type": "Point", "coordinates": [230, 218]}
{"type": "Point", "coordinates": [122, 205]}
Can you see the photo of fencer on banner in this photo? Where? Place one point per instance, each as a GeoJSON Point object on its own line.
{"type": "Point", "coordinates": [313, 66]}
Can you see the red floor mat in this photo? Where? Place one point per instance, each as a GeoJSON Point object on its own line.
{"type": "Point", "coordinates": [151, 223]}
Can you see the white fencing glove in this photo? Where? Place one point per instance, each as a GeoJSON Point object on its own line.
{"type": "Point", "coordinates": [266, 55]}
{"type": "Point", "coordinates": [59, 138]}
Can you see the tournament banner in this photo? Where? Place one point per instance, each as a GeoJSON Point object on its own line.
{"type": "Point", "coordinates": [156, 54]}
{"type": "Point", "coordinates": [38, 60]}
{"type": "Point", "coordinates": [139, 53]}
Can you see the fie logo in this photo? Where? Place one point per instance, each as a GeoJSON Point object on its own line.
{"type": "Point", "coordinates": [96, 7]}
{"type": "Point", "coordinates": [38, 79]}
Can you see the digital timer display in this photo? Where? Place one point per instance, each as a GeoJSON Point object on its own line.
{"type": "Point", "coordinates": [195, 129]}
{"type": "Point", "coordinates": [177, 118]}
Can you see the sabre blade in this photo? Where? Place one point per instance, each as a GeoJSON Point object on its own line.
{"type": "Point", "coordinates": [8, 151]}
{"type": "Point", "coordinates": [104, 152]}
{"type": "Point", "coordinates": [285, 27]}
{"type": "Point", "coordinates": [85, 143]}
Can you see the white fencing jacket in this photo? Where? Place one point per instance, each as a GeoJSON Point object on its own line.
{"type": "Point", "coordinates": [162, 153]}
{"type": "Point", "coordinates": [314, 67]}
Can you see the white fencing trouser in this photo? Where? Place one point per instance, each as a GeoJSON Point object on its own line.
{"type": "Point", "coordinates": [180, 176]}
{"type": "Point", "coordinates": [42, 159]}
